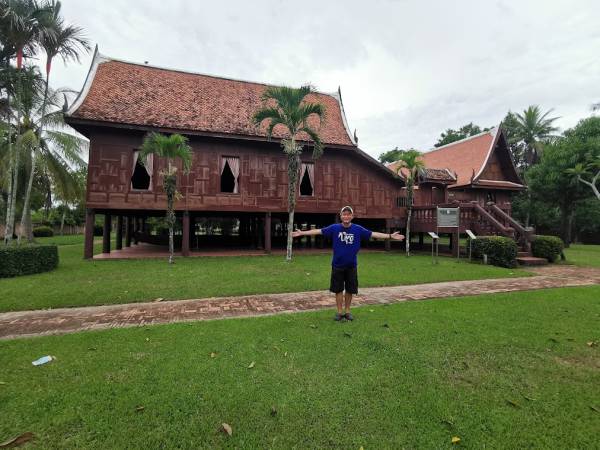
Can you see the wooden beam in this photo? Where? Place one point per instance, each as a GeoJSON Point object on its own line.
{"type": "Point", "coordinates": [90, 221]}
{"type": "Point", "coordinates": [119, 244]}
{"type": "Point", "coordinates": [106, 234]}
{"type": "Point", "coordinates": [185, 234]}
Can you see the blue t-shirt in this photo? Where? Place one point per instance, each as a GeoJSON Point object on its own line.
{"type": "Point", "coordinates": [346, 243]}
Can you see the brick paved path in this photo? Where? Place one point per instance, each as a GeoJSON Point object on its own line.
{"type": "Point", "coordinates": [66, 320]}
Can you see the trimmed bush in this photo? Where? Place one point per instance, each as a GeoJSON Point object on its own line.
{"type": "Point", "coordinates": [98, 230]}
{"type": "Point", "coordinates": [501, 251]}
{"type": "Point", "coordinates": [43, 231]}
{"type": "Point", "coordinates": [27, 259]}
{"type": "Point", "coordinates": [548, 247]}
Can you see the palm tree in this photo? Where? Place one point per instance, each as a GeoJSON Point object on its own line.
{"type": "Point", "coordinates": [287, 106]}
{"type": "Point", "coordinates": [169, 147]}
{"type": "Point", "coordinates": [20, 26]}
{"type": "Point", "coordinates": [57, 39]}
{"type": "Point", "coordinates": [409, 167]}
{"type": "Point", "coordinates": [57, 152]}
{"type": "Point", "coordinates": [534, 129]}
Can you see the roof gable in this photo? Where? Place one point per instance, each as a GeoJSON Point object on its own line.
{"type": "Point", "coordinates": [480, 158]}
{"type": "Point", "coordinates": [134, 94]}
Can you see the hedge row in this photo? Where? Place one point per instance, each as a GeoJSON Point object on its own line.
{"type": "Point", "coordinates": [27, 259]}
{"type": "Point", "coordinates": [548, 247]}
{"type": "Point", "coordinates": [43, 231]}
{"type": "Point", "coordinates": [501, 251]}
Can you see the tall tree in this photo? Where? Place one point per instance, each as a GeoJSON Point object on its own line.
{"type": "Point", "coordinates": [20, 27]}
{"type": "Point", "coordinates": [582, 171]}
{"type": "Point", "coordinates": [534, 129]}
{"type": "Point", "coordinates": [57, 39]}
{"type": "Point", "coordinates": [410, 164]}
{"type": "Point", "coordinates": [587, 172]}
{"type": "Point", "coordinates": [390, 156]}
{"type": "Point", "coordinates": [287, 107]}
{"type": "Point", "coordinates": [528, 133]}
{"type": "Point", "coordinates": [450, 135]}
{"type": "Point", "coordinates": [170, 147]}
{"type": "Point", "coordinates": [549, 179]}
{"type": "Point", "coordinates": [57, 152]}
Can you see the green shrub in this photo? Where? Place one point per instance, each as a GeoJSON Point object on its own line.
{"type": "Point", "coordinates": [548, 247]}
{"type": "Point", "coordinates": [98, 230]}
{"type": "Point", "coordinates": [501, 251]}
{"type": "Point", "coordinates": [43, 231]}
{"type": "Point", "coordinates": [27, 259]}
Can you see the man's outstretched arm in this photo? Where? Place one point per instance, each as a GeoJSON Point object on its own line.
{"type": "Point", "coordinates": [314, 232]}
{"type": "Point", "coordinates": [393, 236]}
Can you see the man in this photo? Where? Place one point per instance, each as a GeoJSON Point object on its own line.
{"type": "Point", "coordinates": [347, 237]}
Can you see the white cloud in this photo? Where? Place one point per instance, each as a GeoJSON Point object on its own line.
{"type": "Point", "coordinates": [408, 69]}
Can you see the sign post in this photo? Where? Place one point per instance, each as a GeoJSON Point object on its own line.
{"type": "Point", "coordinates": [434, 243]}
{"type": "Point", "coordinates": [472, 237]}
{"type": "Point", "coordinates": [449, 218]}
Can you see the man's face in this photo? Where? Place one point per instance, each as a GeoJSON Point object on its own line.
{"type": "Point", "coordinates": [346, 217]}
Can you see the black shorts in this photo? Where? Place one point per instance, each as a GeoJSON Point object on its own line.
{"type": "Point", "coordinates": [344, 279]}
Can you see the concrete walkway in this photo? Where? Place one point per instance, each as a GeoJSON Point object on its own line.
{"type": "Point", "coordinates": [68, 320]}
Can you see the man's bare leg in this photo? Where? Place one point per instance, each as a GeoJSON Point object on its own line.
{"type": "Point", "coordinates": [348, 301]}
{"type": "Point", "coordinates": [339, 300]}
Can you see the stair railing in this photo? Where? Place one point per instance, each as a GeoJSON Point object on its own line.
{"type": "Point", "coordinates": [524, 235]}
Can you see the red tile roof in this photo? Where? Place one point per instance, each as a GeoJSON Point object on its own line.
{"type": "Point", "coordinates": [134, 94]}
{"type": "Point", "coordinates": [465, 158]}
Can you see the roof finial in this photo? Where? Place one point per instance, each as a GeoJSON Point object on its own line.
{"type": "Point", "coordinates": [65, 106]}
{"type": "Point", "coordinates": [355, 137]}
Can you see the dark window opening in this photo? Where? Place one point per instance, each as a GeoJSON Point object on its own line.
{"type": "Point", "coordinates": [140, 178]}
{"type": "Point", "coordinates": [306, 186]}
{"type": "Point", "coordinates": [227, 179]}
{"type": "Point", "coordinates": [490, 197]}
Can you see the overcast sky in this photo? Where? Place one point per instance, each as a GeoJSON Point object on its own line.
{"type": "Point", "coordinates": [408, 69]}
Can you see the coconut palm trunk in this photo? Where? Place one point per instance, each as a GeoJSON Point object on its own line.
{"type": "Point", "coordinates": [409, 200]}
{"type": "Point", "coordinates": [26, 215]}
{"type": "Point", "coordinates": [62, 220]}
{"type": "Point", "coordinates": [170, 185]}
{"type": "Point", "coordinates": [11, 167]}
{"type": "Point", "coordinates": [10, 227]}
{"type": "Point", "coordinates": [293, 166]}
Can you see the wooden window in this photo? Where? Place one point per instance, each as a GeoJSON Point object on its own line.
{"type": "Point", "coordinates": [141, 174]}
{"type": "Point", "coordinates": [402, 201]}
{"type": "Point", "coordinates": [230, 172]}
{"type": "Point", "coordinates": [307, 177]}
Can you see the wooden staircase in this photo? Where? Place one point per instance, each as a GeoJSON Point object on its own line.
{"type": "Point", "coordinates": [520, 234]}
{"type": "Point", "coordinates": [483, 221]}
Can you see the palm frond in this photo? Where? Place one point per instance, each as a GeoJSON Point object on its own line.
{"type": "Point", "coordinates": [318, 145]}
{"type": "Point", "coordinates": [308, 109]}
{"type": "Point", "coordinates": [70, 146]}
{"type": "Point", "coordinates": [170, 147]}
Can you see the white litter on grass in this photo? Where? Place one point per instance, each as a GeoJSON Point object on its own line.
{"type": "Point", "coordinates": [42, 360]}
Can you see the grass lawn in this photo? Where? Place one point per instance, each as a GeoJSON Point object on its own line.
{"type": "Point", "coordinates": [498, 371]}
{"type": "Point", "coordinates": [78, 283]}
{"type": "Point", "coordinates": [583, 255]}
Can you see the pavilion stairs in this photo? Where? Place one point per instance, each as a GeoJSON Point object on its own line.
{"type": "Point", "coordinates": [495, 221]}
{"type": "Point", "coordinates": [490, 220]}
